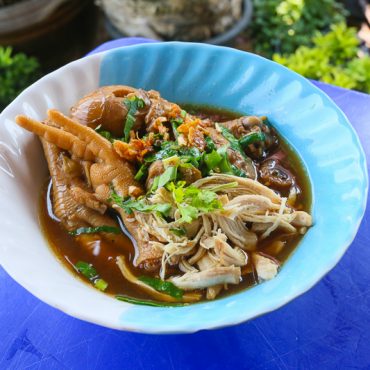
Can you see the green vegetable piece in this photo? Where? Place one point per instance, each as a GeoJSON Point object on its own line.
{"type": "Point", "coordinates": [129, 205]}
{"type": "Point", "coordinates": [93, 230]}
{"type": "Point", "coordinates": [168, 175]}
{"type": "Point", "coordinates": [163, 286]}
{"type": "Point", "coordinates": [89, 271]}
{"type": "Point", "coordinates": [154, 186]}
{"type": "Point", "coordinates": [133, 104]}
{"type": "Point", "coordinates": [171, 148]}
{"type": "Point", "coordinates": [206, 201]}
{"type": "Point", "coordinates": [226, 167]}
{"type": "Point", "coordinates": [140, 206]}
{"type": "Point", "coordinates": [183, 113]}
{"type": "Point", "coordinates": [100, 284]}
{"type": "Point", "coordinates": [191, 201]}
{"type": "Point", "coordinates": [188, 213]}
{"type": "Point", "coordinates": [173, 161]}
{"type": "Point", "coordinates": [234, 143]}
{"type": "Point", "coordinates": [210, 144]}
{"type": "Point", "coordinates": [86, 269]}
{"type": "Point", "coordinates": [237, 171]}
{"type": "Point", "coordinates": [175, 123]}
{"type": "Point", "coordinates": [144, 302]}
{"type": "Point", "coordinates": [105, 134]}
{"type": "Point", "coordinates": [190, 152]}
{"type": "Point", "coordinates": [143, 171]}
{"type": "Point", "coordinates": [212, 159]}
{"type": "Point", "coordinates": [178, 231]}
{"type": "Point", "coordinates": [251, 138]}
{"type": "Point", "coordinates": [185, 164]}
{"type": "Point", "coordinates": [224, 164]}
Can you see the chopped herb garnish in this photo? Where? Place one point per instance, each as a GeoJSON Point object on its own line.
{"type": "Point", "coordinates": [190, 152]}
{"type": "Point", "coordinates": [171, 161]}
{"type": "Point", "coordinates": [93, 230]}
{"type": "Point", "coordinates": [224, 165]}
{"type": "Point", "coordinates": [163, 286]}
{"type": "Point", "coordinates": [191, 201]}
{"type": "Point", "coordinates": [252, 138]}
{"type": "Point", "coordinates": [86, 269]}
{"type": "Point", "coordinates": [100, 284]}
{"type": "Point", "coordinates": [154, 184]}
{"type": "Point", "coordinates": [178, 231]}
{"type": "Point", "coordinates": [234, 143]}
{"type": "Point", "coordinates": [210, 144]}
{"type": "Point", "coordinates": [141, 206]}
{"type": "Point", "coordinates": [104, 133]}
{"type": "Point", "coordinates": [237, 171]}
{"type": "Point", "coordinates": [144, 302]}
{"type": "Point", "coordinates": [171, 148]}
{"type": "Point", "coordinates": [129, 205]}
{"type": "Point", "coordinates": [168, 175]}
{"type": "Point", "coordinates": [89, 271]}
{"type": "Point", "coordinates": [212, 159]}
{"type": "Point", "coordinates": [175, 123]}
{"type": "Point", "coordinates": [143, 171]}
{"type": "Point", "coordinates": [188, 213]}
{"type": "Point", "coordinates": [133, 104]}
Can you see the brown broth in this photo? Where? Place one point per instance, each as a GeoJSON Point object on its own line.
{"type": "Point", "coordinates": [102, 252]}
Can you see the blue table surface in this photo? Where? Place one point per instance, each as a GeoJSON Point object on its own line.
{"type": "Point", "coordinates": [326, 328]}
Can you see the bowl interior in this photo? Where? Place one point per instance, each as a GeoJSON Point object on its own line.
{"type": "Point", "coordinates": [186, 73]}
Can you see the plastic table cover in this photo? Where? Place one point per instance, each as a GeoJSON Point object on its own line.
{"type": "Point", "coordinates": [326, 328]}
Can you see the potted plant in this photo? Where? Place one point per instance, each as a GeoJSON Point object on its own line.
{"type": "Point", "coordinates": [212, 21]}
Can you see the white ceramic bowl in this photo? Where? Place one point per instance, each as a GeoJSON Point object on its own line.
{"type": "Point", "coordinates": [190, 73]}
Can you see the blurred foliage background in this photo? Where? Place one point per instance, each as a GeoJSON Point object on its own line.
{"type": "Point", "coordinates": [282, 26]}
{"type": "Point", "coordinates": [327, 40]}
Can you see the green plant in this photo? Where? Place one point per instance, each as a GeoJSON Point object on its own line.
{"type": "Point", "coordinates": [281, 26]}
{"type": "Point", "coordinates": [333, 58]}
{"type": "Point", "coordinates": [17, 71]}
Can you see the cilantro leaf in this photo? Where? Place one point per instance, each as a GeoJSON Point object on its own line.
{"type": "Point", "coordinates": [129, 205]}
{"type": "Point", "coordinates": [191, 201]}
{"type": "Point", "coordinates": [188, 213]}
